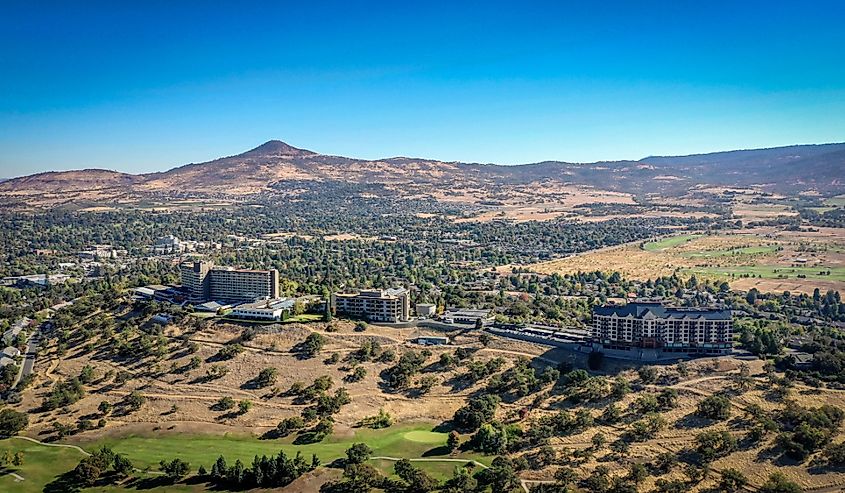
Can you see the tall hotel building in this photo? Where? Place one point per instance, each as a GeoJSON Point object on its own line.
{"type": "Point", "coordinates": [651, 325]}
{"type": "Point", "coordinates": [377, 305]}
{"type": "Point", "coordinates": [203, 281]}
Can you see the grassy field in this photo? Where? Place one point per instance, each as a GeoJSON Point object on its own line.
{"type": "Point", "coordinates": [772, 272]}
{"type": "Point", "coordinates": [669, 242]}
{"type": "Point", "coordinates": [752, 250]}
{"type": "Point", "coordinates": [838, 201]}
{"type": "Point", "coordinates": [397, 441]}
{"type": "Point", "coordinates": [751, 259]}
{"type": "Point", "coordinates": [42, 464]}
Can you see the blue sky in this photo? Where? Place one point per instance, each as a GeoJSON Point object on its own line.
{"type": "Point", "coordinates": [156, 85]}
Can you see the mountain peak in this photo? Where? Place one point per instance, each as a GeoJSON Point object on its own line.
{"type": "Point", "coordinates": [277, 147]}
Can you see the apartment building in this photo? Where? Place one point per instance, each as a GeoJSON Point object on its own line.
{"type": "Point", "coordinates": [376, 305]}
{"type": "Point", "coordinates": [650, 325]}
{"type": "Point", "coordinates": [203, 281]}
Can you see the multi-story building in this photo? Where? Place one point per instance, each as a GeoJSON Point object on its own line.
{"type": "Point", "coordinates": [167, 245]}
{"type": "Point", "coordinates": [650, 325]}
{"type": "Point", "coordinates": [196, 280]}
{"type": "Point", "coordinates": [377, 305]}
{"type": "Point", "coordinates": [203, 281]}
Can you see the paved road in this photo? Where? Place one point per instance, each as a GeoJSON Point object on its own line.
{"type": "Point", "coordinates": [29, 357]}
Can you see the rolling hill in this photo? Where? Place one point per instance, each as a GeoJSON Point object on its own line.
{"type": "Point", "coordinates": [783, 169]}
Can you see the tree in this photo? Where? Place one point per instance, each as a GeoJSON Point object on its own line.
{"type": "Point", "coordinates": [453, 441]}
{"type": "Point", "coordinates": [224, 403]}
{"type": "Point", "coordinates": [779, 483]}
{"type": "Point", "coordinates": [313, 344]}
{"type": "Point", "coordinates": [417, 480]}
{"type": "Point", "coordinates": [599, 440]}
{"type": "Point", "coordinates": [566, 476]}
{"type": "Point", "coordinates": [290, 424]}
{"type": "Point", "coordinates": [358, 453]}
{"type": "Point", "coordinates": [732, 480]}
{"type": "Point", "coordinates": [637, 473]}
{"type": "Point", "coordinates": [175, 469]}
{"type": "Point", "coordinates": [835, 454]}
{"type": "Point", "coordinates": [219, 469]}
{"type": "Point", "coordinates": [122, 466]}
{"type": "Point", "coordinates": [714, 444]}
{"type": "Point", "coordinates": [598, 481]}
{"type": "Point", "coordinates": [477, 411]}
{"type": "Point", "coordinates": [89, 469]}
{"type": "Point", "coordinates": [134, 400]}
{"type": "Point", "coordinates": [648, 374]}
{"type": "Point", "coordinates": [266, 377]}
{"type": "Point", "coordinates": [104, 408]}
{"type": "Point", "coordinates": [715, 407]}
{"type": "Point", "coordinates": [12, 422]}
{"type": "Point", "coordinates": [244, 406]}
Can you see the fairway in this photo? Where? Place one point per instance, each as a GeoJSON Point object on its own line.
{"type": "Point", "coordinates": [42, 464]}
{"type": "Point", "coordinates": [773, 272]}
{"type": "Point", "coordinates": [752, 250]}
{"type": "Point", "coordinates": [407, 441]}
{"type": "Point", "coordinates": [669, 242]}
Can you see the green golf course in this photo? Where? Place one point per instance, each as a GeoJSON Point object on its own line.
{"type": "Point", "coordinates": [43, 464]}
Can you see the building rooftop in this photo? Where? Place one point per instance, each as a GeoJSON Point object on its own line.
{"type": "Point", "coordinates": [375, 293]}
{"type": "Point", "coordinates": [466, 312]}
{"type": "Point", "coordinates": [641, 309]}
{"type": "Point", "coordinates": [274, 304]}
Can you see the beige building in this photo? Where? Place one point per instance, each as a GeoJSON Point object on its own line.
{"type": "Point", "coordinates": [667, 329]}
{"type": "Point", "coordinates": [203, 281]}
{"type": "Point", "coordinates": [376, 305]}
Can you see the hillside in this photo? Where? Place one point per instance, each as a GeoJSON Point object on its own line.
{"type": "Point", "coordinates": [783, 169]}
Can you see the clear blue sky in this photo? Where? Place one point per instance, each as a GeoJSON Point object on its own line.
{"type": "Point", "coordinates": [156, 85]}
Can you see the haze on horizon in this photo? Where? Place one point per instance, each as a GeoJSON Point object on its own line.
{"type": "Point", "coordinates": [141, 89]}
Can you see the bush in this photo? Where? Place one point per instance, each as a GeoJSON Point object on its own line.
{"type": "Point", "coordinates": [714, 407]}
{"type": "Point", "coordinates": [779, 483]}
{"type": "Point", "coordinates": [648, 374]}
{"type": "Point", "coordinates": [313, 344]}
{"type": "Point", "coordinates": [229, 351]}
{"type": "Point", "coordinates": [224, 404]}
{"type": "Point", "coordinates": [266, 377]}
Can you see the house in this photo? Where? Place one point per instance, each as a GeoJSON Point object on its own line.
{"type": "Point", "coordinates": [11, 352]}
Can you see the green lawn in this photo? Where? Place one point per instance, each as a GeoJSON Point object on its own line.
{"type": "Point", "coordinates": [838, 201]}
{"type": "Point", "coordinates": [411, 441]}
{"type": "Point", "coordinates": [43, 464]}
{"type": "Point", "coordinates": [669, 242]}
{"type": "Point", "coordinates": [773, 272]}
{"type": "Point", "coordinates": [755, 250]}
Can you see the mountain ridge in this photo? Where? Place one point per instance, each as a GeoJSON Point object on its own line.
{"type": "Point", "coordinates": [792, 168]}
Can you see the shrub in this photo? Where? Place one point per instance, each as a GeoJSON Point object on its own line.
{"type": "Point", "coordinates": [714, 407]}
